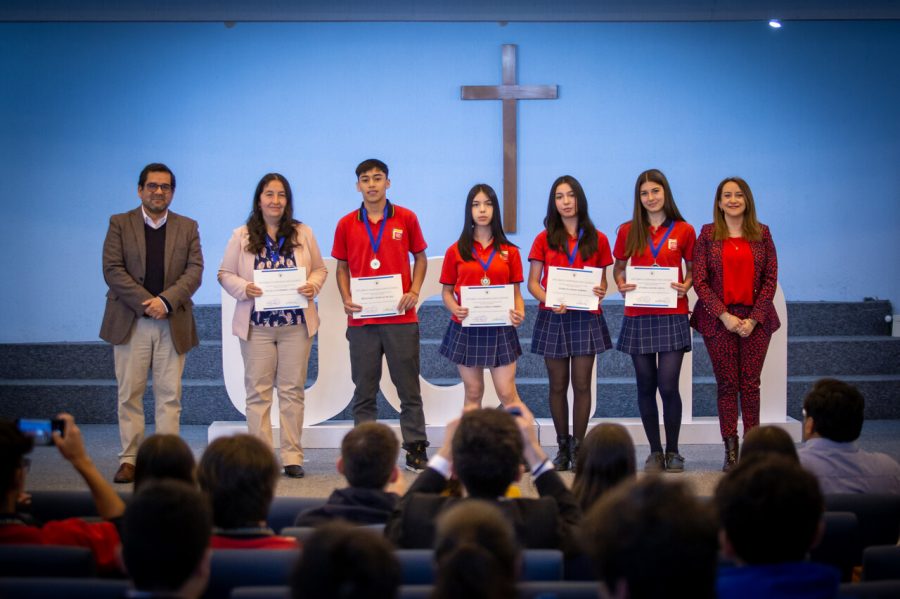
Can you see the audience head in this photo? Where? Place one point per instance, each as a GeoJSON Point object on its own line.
{"type": "Point", "coordinates": [834, 410]}
{"type": "Point", "coordinates": [476, 553]}
{"type": "Point", "coordinates": [164, 456]}
{"type": "Point", "coordinates": [238, 474]}
{"type": "Point", "coordinates": [487, 452]}
{"type": "Point", "coordinates": [770, 511]}
{"type": "Point", "coordinates": [165, 538]}
{"type": "Point", "coordinates": [605, 459]}
{"type": "Point", "coordinates": [342, 561]}
{"type": "Point", "coordinates": [13, 447]}
{"type": "Point", "coordinates": [766, 440]}
{"type": "Point", "coordinates": [652, 538]}
{"type": "Point", "coordinates": [369, 456]}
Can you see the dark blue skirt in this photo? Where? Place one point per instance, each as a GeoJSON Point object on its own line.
{"type": "Point", "coordinates": [480, 346]}
{"type": "Point", "coordinates": [575, 333]}
{"type": "Point", "coordinates": [654, 333]}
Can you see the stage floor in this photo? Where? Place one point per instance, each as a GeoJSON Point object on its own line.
{"type": "Point", "coordinates": [49, 471]}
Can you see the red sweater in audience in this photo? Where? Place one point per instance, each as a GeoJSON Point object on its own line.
{"type": "Point", "coordinates": [101, 538]}
{"type": "Point", "coordinates": [272, 541]}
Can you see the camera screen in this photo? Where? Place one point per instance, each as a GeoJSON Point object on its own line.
{"type": "Point", "coordinates": [40, 430]}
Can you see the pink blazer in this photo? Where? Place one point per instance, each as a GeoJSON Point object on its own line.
{"type": "Point", "coordinates": [236, 272]}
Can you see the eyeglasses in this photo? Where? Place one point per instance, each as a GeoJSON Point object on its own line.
{"type": "Point", "coordinates": [154, 187]}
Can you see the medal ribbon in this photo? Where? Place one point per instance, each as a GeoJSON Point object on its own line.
{"type": "Point", "coordinates": [574, 251]}
{"type": "Point", "coordinates": [485, 265]}
{"type": "Point", "coordinates": [272, 251]}
{"type": "Point", "coordinates": [376, 243]}
{"type": "Point", "coordinates": [654, 249]}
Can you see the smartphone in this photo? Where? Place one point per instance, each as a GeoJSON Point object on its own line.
{"type": "Point", "coordinates": [41, 430]}
{"type": "Point", "coordinates": [514, 410]}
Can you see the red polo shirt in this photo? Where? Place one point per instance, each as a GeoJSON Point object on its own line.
{"type": "Point", "coordinates": [541, 252]}
{"type": "Point", "coordinates": [402, 237]}
{"type": "Point", "coordinates": [505, 268]}
{"type": "Point", "coordinates": [678, 246]}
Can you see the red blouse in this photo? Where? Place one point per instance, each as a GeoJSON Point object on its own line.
{"type": "Point", "coordinates": [737, 272]}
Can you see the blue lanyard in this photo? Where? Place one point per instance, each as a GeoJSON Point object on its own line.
{"type": "Point", "coordinates": [375, 243]}
{"type": "Point", "coordinates": [485, 265]}
{"type": "Point", "coordinates": [272, 251]}
{"type": "Point", "coordinates": [654, 249]}
{"type": "Point", "coordinates": [571, 254]}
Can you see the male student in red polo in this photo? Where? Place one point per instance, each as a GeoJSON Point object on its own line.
{"type": "Point", "coordinates": [372, 246]}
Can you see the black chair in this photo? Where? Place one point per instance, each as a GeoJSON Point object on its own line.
{"type": "Point", "coordinates": [840, 546]}
{"type": "Point", "coordinates": [284, 510]}
{"type": "Point", "coordinates": [545, 589]}
{"type": "Point", "coordinates": [46, 560]}
{"type": "Point", "coordinates": [232, 568]}
{"type": "Point", "coordinates": [881, 563]}
{"type": "Point", "coordinates": [415, 591]}
{"type": "Point", "coordinates": [58, 505]}
{"type": "Point", "coordinates": [302, 533]}
{"type": "Point", "coordinates": [70, 588]}
{"type": "Point", "coordinates": [281, 592]}
{"type": "Point", "coordinates": [417, 565]}
{"type": "Point", "coordinates": [558, 589]}
{"type": "Point", "coordinates": [880, 589]}
{"type": "Point", "coordinates": [878, 515]}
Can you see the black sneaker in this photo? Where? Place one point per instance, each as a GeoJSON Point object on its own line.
{"type": "Point", "coordinates": [416, 458]}
{"type": "Point", "coordinates": [674, 462]}
{"type": "Point", "coordinates": [656, 462]}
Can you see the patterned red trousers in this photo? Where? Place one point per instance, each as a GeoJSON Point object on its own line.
{"type": "Point", "coordinates": [737, 363]}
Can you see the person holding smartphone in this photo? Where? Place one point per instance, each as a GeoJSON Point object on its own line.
{"type": "Point", "coordinates": [102, 538]}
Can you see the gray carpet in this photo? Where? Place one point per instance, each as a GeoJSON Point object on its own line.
{"type": "Point", "coordinates": [49, 471]}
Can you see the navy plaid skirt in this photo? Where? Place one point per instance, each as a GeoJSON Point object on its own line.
{"type": "Point", "coordinates": [575, 333]}
{"type": "Point", "coordinates": [480, 346]}
{"type": "Point", "coordinates": [654, 333]}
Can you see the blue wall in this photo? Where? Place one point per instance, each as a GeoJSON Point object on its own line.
{"type": "Point", "coordinates": [807, 114]}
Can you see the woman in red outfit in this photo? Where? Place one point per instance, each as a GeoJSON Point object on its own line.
{"type": "Point", "coordinates": [735, 276]}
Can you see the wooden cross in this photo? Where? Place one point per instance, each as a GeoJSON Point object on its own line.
{"type": "Point", "coordinates": [509, 92]}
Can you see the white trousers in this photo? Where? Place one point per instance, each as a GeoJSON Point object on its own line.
{"type": "Point", "coordinates": [277, 357]}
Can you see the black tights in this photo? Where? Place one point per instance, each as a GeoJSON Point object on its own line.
{"type": "Point", "coordinates": [664, 376]}
{"type": "Point", "coordinates": [558, 373]}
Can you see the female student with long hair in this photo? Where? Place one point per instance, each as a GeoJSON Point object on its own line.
{"type": "Point", "coordinates": [482, 256]}
{"type": "Point", "coordinates": [656, 338]}
{"type": "Point", "coordinates": [569, 340]}
{"type": "Point", "coordinates": [735, 276]}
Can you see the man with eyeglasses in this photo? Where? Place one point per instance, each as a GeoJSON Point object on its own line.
{"type": "Point", "coordinates": [153, 264]}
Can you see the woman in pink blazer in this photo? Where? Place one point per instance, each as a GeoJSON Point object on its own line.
{"type": "Point", "coordinates": [275, 344]}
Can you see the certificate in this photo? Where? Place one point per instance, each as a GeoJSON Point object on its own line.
{"type": "Point", "coordinates": [378, 296]}
{"type": "Point", "coordinates": [654, 287]}
{"type": "Point", "coordinates": [488, 305]}
{"type": "Point", "coordinates": [573, 287]}
{"type": "Point", "coordinates": [279, 287]}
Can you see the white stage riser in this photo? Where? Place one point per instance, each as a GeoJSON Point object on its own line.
{"type": "Point", "coordinates": [699, 431]}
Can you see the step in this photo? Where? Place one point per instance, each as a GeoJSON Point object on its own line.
{"type": "Point", "coordinates": [94, 401]}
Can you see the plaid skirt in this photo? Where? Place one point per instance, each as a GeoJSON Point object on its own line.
{"type": "Point", "coordinates": [654, 333]}
{"type": "Point", "coordinates": [575, 333]}
{"type": "Point", "coordinates": [480, 346]}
